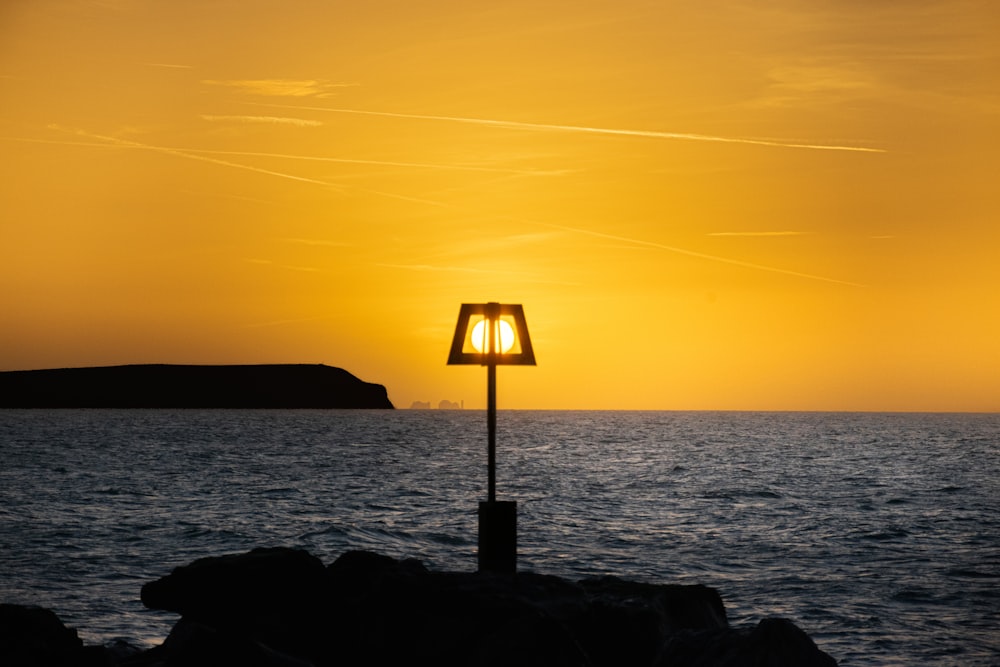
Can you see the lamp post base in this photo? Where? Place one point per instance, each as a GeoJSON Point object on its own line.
{"type": "Point", "coordinates": [498, 536]}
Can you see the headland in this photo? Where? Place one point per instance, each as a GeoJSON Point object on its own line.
{"type": "Point", "coordinates": [191, 386]}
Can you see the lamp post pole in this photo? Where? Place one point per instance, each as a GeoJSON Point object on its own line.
{"type": "Point", "coordinates": [492, 319]}
{"type": "Point", "coordinates": [491, 427]}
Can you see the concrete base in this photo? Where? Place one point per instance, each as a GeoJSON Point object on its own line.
{"type": "Point", "coordinates": [498, 536]}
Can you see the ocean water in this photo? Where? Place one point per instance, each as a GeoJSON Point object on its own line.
{"type": "Point", "coordinates": [877, 534]}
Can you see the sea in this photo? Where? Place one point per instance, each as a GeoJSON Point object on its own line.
{"type": "Point", "coordinates": [877, 534]}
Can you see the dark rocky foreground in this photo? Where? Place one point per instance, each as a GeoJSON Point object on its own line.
{"type": "Point", "coordinates": [180, 386]}
{"type": "Point", "coordinates": [282, 607]}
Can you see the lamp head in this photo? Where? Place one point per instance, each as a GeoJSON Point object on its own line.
{"type": "Point", "coordinates": [494, 333]}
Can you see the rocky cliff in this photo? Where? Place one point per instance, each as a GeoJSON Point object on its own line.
{"type": "Point", "coordinates": [181, 386]}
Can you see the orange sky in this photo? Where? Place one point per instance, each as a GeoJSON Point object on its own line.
{"type": "Point", "coordinates": [727, 204]}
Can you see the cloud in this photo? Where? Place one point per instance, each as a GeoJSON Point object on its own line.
{"type": "Point", "coordinates": [281, 87]}
{"type": "Point", "coordinates": [317, 242]}
{"type": "Point", "coordinates": [784, 233]}
{"type": "Point", "coordinates": [651, 134]}
{"type": "Point", "coordinates": [811, 79]}
{"type": "Point", "coordinates": [811, 83]}
{"type": "Point", "coordinates": [290, 267]}
{"type": "Point", "coordinates": [435, 268]}
{"type": "Point", "coordinates": [225, 195]}
{"type": "Point", "coordinates": [277, 323]}
{"type": "Point", "coordinates": [505, 272]}
{"type": "Point", "coordinates": [493, 245]}
{"type": "Point", "coordinates": [275, 120]}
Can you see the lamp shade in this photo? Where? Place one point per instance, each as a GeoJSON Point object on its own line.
{"type": "Point", "coordinates": [491, 333]}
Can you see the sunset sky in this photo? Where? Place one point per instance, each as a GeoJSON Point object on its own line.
{"type": "Point", "coordinates": [723, 204]}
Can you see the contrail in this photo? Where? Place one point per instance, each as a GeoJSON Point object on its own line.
{"type": "Point", "coordinates": [388, 163]}
{"type": "Point", "coordinates": [632, 241]}
{"type": "Point", "coordinates": [284, 156]}
{"type": "Point", "coordinates": [580, 128]}
{"type": "Point", "coordinates": [574, 230]}
{"type": "Point", "coordinates": [189, 155]}
{"type": "Point", "coordinates": [692, 253]}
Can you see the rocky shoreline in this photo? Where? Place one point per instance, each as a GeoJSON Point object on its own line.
{"type": "Point", "coordinates": [283, 607]}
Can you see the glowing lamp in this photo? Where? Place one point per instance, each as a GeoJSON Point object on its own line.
{"type": "Point", "coordinates": [492, 334]}
{"type": "Point", "coordinates": [506, 342]}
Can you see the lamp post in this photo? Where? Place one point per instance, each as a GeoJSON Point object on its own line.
{"type": "Point", "coordinates": [492, 334]}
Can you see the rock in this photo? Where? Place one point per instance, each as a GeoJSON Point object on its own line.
{"type": "Point", "coordinates": [192, 644]}
{"type": "Point", "coordinates": [118, 651]}
{"type": "Point", "coordinates": [775, 642]}
{"type": "Point", "coordinates": [33, 636]}
{"type": "Point", "coordinates": [253, 591]}
{"type": "Point", "coordinates": [281, 607]}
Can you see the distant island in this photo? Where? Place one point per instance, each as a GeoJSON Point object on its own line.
{"type": "Point", "coordinates": [445, 404]}
{"type": "Point", "coordinates": [191, 386]}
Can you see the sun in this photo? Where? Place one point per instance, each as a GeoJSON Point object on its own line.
{"type": "Point", "coordinates": [505, 334]}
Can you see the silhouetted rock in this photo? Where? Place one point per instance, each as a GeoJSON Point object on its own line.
{"type": "Point", "coordinates": [35, 637]}
{"type": "Point", "coordinates": [238, 589]}
{"type": "Point", "coordinates": [193, 644]}
{"type": "Point", "coordinates": [281, 607]}
{"type": "Point", "coordinates": [178, 386]}
{"type": "Point", "coordinates": [774, 642]}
